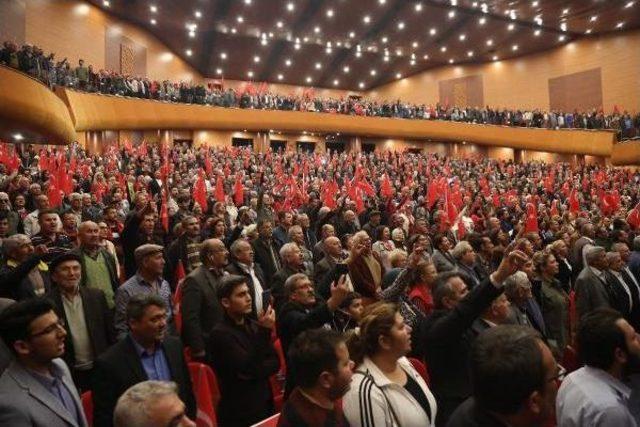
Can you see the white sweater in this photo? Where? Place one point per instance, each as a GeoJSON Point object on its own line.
{"type": "Point", "coordinates": [365, 404]}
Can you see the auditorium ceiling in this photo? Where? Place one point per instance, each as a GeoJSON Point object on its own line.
{"type": "Point", "coordinates": [360, 44]}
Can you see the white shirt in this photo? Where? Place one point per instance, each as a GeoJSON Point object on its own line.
{"type": "Point", "coordinates": [592, 397]}
{"type": "Point", "coordinates": [257, 286]}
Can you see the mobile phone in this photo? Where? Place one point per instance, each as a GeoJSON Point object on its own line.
{"type": "Point", "coordinates": [340, 270]}
{"type": "Point", "coordinates": [266, 299]}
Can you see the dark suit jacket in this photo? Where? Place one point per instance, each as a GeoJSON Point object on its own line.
{"type": "Point", "coordinates": [576, 254]}
{"type": "Point", "coordinates": [176, 252]}
{"type": "Point", "coordinates": [201, 309]}
{"type": "Point", "coordinates": [277, 285]}
{"type": "Point", "coordinates": [111, 267]}
{"type": "Point", "coordinates": [617, 295]}
{"type": "Point", "coordinates": [470, 415]}
{"type": "Point", "coordinates": [234, 268]}
{"type": "Point", "coordinates": [565, 275]}
{"type": "Point", "coordinates": [446, 338]}
{"type": "Point", "coordinates": [243, 358]}
{"type": "Point", "coordinates": [591, 293]}
{"type": "Point", "coordinates": [98, 318]}
{"type": "Point", "coordinates": [322, 268]}
{"type": "Point", "coordinates": [264, 259]}
{"type": "Point", "coordinates": [120, 367]}
{"type": "Point", "coordinates": [634, 316]}
{"type": "Point", "coordinates": [15, 282]}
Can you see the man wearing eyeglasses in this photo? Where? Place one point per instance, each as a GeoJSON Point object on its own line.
{"type": "Point", "coordinates": [37, 389]}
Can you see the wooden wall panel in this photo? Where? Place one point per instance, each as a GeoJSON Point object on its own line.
{"type": "Point", "coordinates": [523, 82]}
{"type": "Point", "coordinates": [12, 13]}
{"type": "Point", "coordinates": [118, 47]}
{"type": "Point", "coordinates": [581, 91]}
{"type": "Point", "coordinates": [463, 91]}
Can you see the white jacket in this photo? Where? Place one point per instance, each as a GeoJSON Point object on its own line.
{"type": "Point", "coordinates": [365, 404]}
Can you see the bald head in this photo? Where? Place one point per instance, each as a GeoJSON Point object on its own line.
{"type": "Point", "coordinates": [89, 235]}
{"type": "Point", "coordinates": [213, 253]}
{"type": "Point", "coordinates": [332, 246]}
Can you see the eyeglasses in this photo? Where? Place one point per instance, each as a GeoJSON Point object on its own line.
{"type": "Point", "coordinates": [560, 376]}
{"type": "Point", "coordinates": [51, 328]}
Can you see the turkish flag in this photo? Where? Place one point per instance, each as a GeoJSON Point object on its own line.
{"type": "Point", "coordinates": [531, 223]}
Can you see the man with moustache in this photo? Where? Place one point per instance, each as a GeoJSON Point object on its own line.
{"type": "Point", "coordinates": [596, 394]}
{"type": "Point", "coordinates": [323, 370]}
{"type": "Point", "coordinates": [36, 389]}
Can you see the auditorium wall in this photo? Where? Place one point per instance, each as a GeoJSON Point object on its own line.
{"type": "Point", "coordinates": [76, 29]}
{"type": "Point", "coordinates": [524, 82]}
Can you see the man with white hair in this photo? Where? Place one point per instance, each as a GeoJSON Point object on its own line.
{"type": "Point", "coordinates": [13, 218]}
{"type": "Point", "coordinates": [292, 263]}
{"type": "Point", "coordinates": [365, 268]}
{"type": "Point", "coordinates": [151, 404]}
{"type": "Point", "coordinates": [465, 257]}
{"type": "Point", "coordinates": [524, 308]}
{"type": "Point", "coordinates": [591, 284]}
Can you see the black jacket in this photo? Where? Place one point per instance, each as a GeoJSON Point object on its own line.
{"type": "Point", "coordinates": [98, 317]}
{"type": "Point", "coordinates": [120, 367]}
{"type": "Point", "coordinates": [243, 358]}
{"type": "Point", "coordinates": [470, 415]}
{"type": "Point", "coordinates": [263, 257]}
{"type": "Point", "coordinates": [446, 337]}
{"type": "Point", "coordinates": [234, 268]}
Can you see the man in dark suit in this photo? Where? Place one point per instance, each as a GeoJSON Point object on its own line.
{"type": "Point", "coordinates": [24, 274]}
{"type": "Point", "coordinates": [138, 230]}
{"type": "Point", "coordinates": [333, 255]}
{"type": "Point", "coordinates": [266, 249]}
{"type": "Point", "coordinates": [592, 289]}
{"type": "Point", "coordinates": [327, 230]}
{"type": "Point", "coordinates": [310, 239]}
{"type": "Point", "coordinates": [292, 263]}
{"type": "Point", "coordinates": [242, 265]}
{"type": "Point", "coordinates": [624, 293]}
{"type": "Point", "coordinates": [147, 353]}
{"type": "Point", "coordinates": [446, 336]}
{"type": "Point", "coordinates": [631, 280]}
{"type": "Point", "coordinates": [243, 356]}
{"type": "Point", "coordinates": [200, 307]}
{"type": "Point", "coordinates": [88, 320]}
{"type": "Point", "coordinates": [36, 390]}
{"type": "Point", "coordinates": [588, 233]}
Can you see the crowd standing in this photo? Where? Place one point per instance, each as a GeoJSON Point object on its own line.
{"type": "Point", "coordinates": [32, 60]}
{"type": "Point", "coordinates": [374, 280]}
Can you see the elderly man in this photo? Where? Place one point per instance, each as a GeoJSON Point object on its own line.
{"type": "Point", "coordinates": [524, 308]}
{"type": "Point", "coordinates": [147, 280]}
{"type": "Point", "coordinates": [333, 255]}
{"type": "Point", "coordinates": [292, 263]}
{"type": "Point", "coordinates": [242, 265]}
{"type": "Point", "coordinates": [465, 257]}
{"type": "Point", "coordinates": [266, 249]}
{"type": "Point", "coordinates": [200, 307]}
{"type": "Point", "coordinates": [365, 268]}
{"type": "Point", "coordinates": [303, 310]}
{"type": "Point", "coordinates": [13, 218]}
{"type": "Point", "coordinates": [88, 320]}
{"type": "Point", "coordinates": [632, 281]}
{"type": "Point", "coordinates": [24, 274]}
{"type": "Point", "coordinates": [99, 269]}
{"type": "Point", "coordinates": [592, 289]}
{"type": "Point", "coordinates": [624, 294]}
{"type": "Point", "coordinates": [327, 230]}
{"type": "Point", "coordinates": [36, 390]}
{"type": "Point", "coordinates": [151, 404]}
{"type": "Point", "coordinates": [297, 236]}
{"type": "Point", "coordinates": [75, 200]}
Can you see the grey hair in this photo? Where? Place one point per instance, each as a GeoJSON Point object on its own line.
{"type": "Point", "coordinates": [612, 255]}
{"type": "Point", "coordinates": [592, 253]}
{"type": "Point", "coordinates": [235, 246]}
{"type": "Point", "coordinates": [395, 255]}
{"type": "Point", "coordinates": [460, 249]}
{"type": "Point", "coordinates": [286, 248]}
{"type": "Point", "coordinates": [136, 404]}
{"type": "Point", "coordinates": [618, 246]}
{"type": "Point", "coordinates": [517, 280]}
{"type": "Point", "coordinates": [13, 242]}
{"type": "Point", "coordinates": [359, 236]}
{"type": "Point", "coordinates": [291, 282]}
{"type": "Point", "coordinates": [292, 228]}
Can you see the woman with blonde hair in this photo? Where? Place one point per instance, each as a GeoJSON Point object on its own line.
{"type": "Point", "coordinates": [386, 390]}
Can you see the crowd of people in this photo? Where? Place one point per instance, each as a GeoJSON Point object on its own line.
{"type": "Point", "coordinates": [32, 60]}
{"type": "Point", "coordinates": [341, 275]}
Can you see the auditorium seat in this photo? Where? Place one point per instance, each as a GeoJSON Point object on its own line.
{"type": "Point", "coordinates": [272, 421]}
{"type": "Point", "coordinates": [421, 368]}
{"type": "Point", "coordinates": [277, 380]}
{"type": "Point", "coordinates": [207, 393]}
{"type": "Point", "coordinates": [87, 406]}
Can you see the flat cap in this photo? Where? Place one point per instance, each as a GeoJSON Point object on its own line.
{"type": "Point", "coordinates": [144, 251]}
{"type": "Point", "coordinates": [67, 256]}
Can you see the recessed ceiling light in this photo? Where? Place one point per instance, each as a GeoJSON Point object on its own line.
{"type": "Point", "coordinates": [218, 70]}
{"type": "Point", "coordinates": [336, 82]}
{"type": "Point", "coordinates": [247, 1]}
{"type": "Point", "coordinates": [223, 55]}
{"type": "Point", "coordinates": [514, 47]}
{"type": "Point", "coordinates": [482, 20]}
{"type": "Point", "coordinates": [470, 53]}
{"type": "Point", "coordinates": [412, 62]}
{"type": "Point", "coordinates": [511, 27]}
{"type": "Point", "coordinates": [452, 14]}
{"type": "Point", "coordinates": [489, 42]}
{"type": "Point", "coordinates": [619, 24]}
{"type": "Point", "coordinates": [264, 42]}
{"type": "Point", "coordinates": [287, 62]}
{"type": "Point", "coordinates": [536, 33]}
{"type": "Point", "coordinates": [106, 3]}
{"type": "Point", "coordinates": [401, 25]}
{"type": "Point", "coordinates": [233, 30]}
{"type": "Point", "coordinates": [345, 69]}
{"type": "Point", "coordinates": [250, 74]}
{"type": "Point", "coordinates": [588, 31]}
{"type": "Point", "coordinates": [451, 61]}
{"type": "Point", "coordinates": [153, 21]}
{"type": "Point", "coordinates": [192, 34]}
{"type": "Point", "coordinates": [18, 136]}
{"type": "Point", "coordinates": [188, 52]}
{"type": "Point", "coordinates": [153, 8]}
{"type": "Point", "coordinates": [561, 38]}
{"type": "Point", "coordinates": [366, 19]}
{"type": "Point", "coordinates": [433, 31]}
{"type": "Point", "coordinates": [495, 57]}
{"type": "Point", "coordinates": [425, 57]}
{"type": "Point", "coordinates": [418, 7]}
{"type": "Point", "coordinates": [358, 54]}
{"type": "Point", "coordinates": [462, 37]}
{"type": "Point", "coordinates": [361, 85]}
{"type": "Point", "coordinates": [256, 59]}
{"type": "Point", "coordinates": [384, 39]}
{"type": "Point", "coordinates": [594, 18]}
{"type": "Point", "coordinates": [198, 14]}
{"type": "Point", "coordinates": [318, 65]}
{"type": "Point", "coordinates": [414, 44]}
{"type": "Point", "coordinates": [565, 11]}
{"type": "Point", "coordinates": [443, 49]}
{"type": "Point", "coordinates": [316, 30]}
{"type": "Point", "coordinates": [279, 24]}
{"type": "Point", "coordinates": [534, 4]}
{"type": "Point", "coordinates": [373, 72]}
{"type": "Point", "coordinates": [280, 77]}
{"type": "Point", "coordinates": [240, 19]}
{"type": "Point", "coordinates": [296, 46]}
{"type": "Point", "coordinates": [398, 76]}
{"type": "Point", "coordinates": [352, 35]}
{"type": "Point", "coordinates": [308, 79]}
{"type": "Point", "coordinates": [330, 13]}
{"type": "Point", "coordinates": [290, 6]}
{"type": "Point", "coordinates": [382, 1]}
{"type": "Point", "coordinates": [629, 4]}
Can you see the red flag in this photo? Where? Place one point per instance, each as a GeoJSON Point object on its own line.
{"type": "Point", "coordinates": [219, 189]}
{"type": "Point", "coordinates": [164, 213]}
{"type": "Point", "coordinates": [43, 162]}
{"type": "Point", "coordinates": [180, 273]}
{"type": "Point", "coordinates": [432, 193]}
{"type": "Point", "coordinates": [554, 208]}
{"type": "Point", "coordinates": [206, 416]}
{"type": "Point", "coordinates": [238, 191]}
{"type": "Point", "coordinates": [531, 223]}
{"type": "Point", "coordinates": [462, 229]}
{"type": "Point", "coordinates": [367, 188]}
{"type": "Point", "coordinates": [574, 203]}
{"type": "Point", "coordinates": [385, 189]}
{"type": "Point", "coordinates": [634, 217]}
{"type": "Point", "coordinates": [54, 193]}
{"type": "Point", "coordinates": [200, 191]}
{"type": "Point", "coordinates": [207, 164]}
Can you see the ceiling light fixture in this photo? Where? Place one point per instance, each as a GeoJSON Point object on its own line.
{"type": "Point", "coordinates": [482, 20]}
{"type": "Point", "coordinates": [318, 65]}
{"type": "Point", "coordinates": [619, 24]}
{"type": "Point", "coordinates": [188, 52]}
{"type": "Point", "coordinates": [287, 62]}
{"type": "Point", "coordinates": [514, 47]}
{"type": "Point", "coordinates": [280, 77]}
{"type": "Point", "coordinates": [153, 8]}
{"type": "Point", "coordinates": [418, 7]}
{"type": "Point", "coordinates": [290, 6]}
{"type": "Point", "coordinates": [361, 85]}
{"type": "Point", "coordinates": [433, 31]}
{"type": "Point", "coordinates": [451, 61]}
{"type": "Point", "coordinates": [330, 13]}
{"type": "Point", "coordinates": [366, 19]}
{"type": "Point", "coordinates": [489, 42]}
{"type": "Point", "coordinates": [462, 37]}
{"type": "Point", "coordinates": [256, 59]}
{"type": "Point", "coordinates": [106, 3]}
{"type": "Point", "coordinates": [18, 136]}
{"type": "Point", "coordinates": [336, 82]}
{"type": "Point", "coordinates": [153, 21]}
{"type": "Point", "coordinates": [218, 70]}
{"type": "Point", "coordinates": [400, 25]}
{"type": "Point", "coordinates": [308, 79]}
{"type": "Point", "coordinates": [398, 76]}
{"type": "Point", "coordinates": [470, 53]}
{"type": "Point", "coordinates": [198, 14]}
{"type": "Point", "coordinates": [223, 55]}
{"type": "Point", "coordinates": [511, 27]}
{"type": "Point", "coordinates": [452, 14]}
{"type": "Point", "coordinates": [250, 74]}
{"type": "Point", "coordinates": [536, 33]}
{"type": "Point", "coordinates": [495, 57]}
